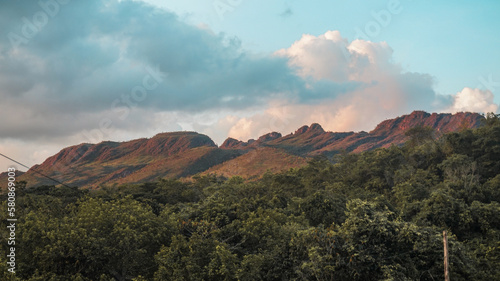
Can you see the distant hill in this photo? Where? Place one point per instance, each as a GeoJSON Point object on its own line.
{"type": "Point", "coordinates": [184, 154]}
{"type": "Point", "coordinates": [177, 154]}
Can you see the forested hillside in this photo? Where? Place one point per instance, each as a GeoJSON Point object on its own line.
{"type": "Point", "coordinates": [185, 154]}
{"type": "Point", "coordinates": [376, 215]}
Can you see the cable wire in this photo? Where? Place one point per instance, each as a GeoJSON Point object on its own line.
{"type": "Point", "coordinates": [50, 178]}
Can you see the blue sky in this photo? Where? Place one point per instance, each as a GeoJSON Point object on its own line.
{"type": "Point", "coordinates": [88, 71]}
{"type": "Point", "coordinates": [455, 41]}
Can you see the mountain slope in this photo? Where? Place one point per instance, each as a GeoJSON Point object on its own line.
{"type": "Point", "coordinates": [184, 154]}
{"type": "Point", "coordinates": [258, 161]}
{"type": "Point", "coordinates": [175, 154]}
{"type": "Point", "coordinates": [309, 141]}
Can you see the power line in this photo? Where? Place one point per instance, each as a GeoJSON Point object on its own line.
{"type": "Point", "coordinates": [50, 178]}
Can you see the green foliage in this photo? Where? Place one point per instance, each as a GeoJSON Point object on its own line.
{"type": "Point", "coordinates": [377, 215]}
{"type": "Point", "coordinates": [117, 238]}
{"type": "Point", "coordinates": [199, 257]}
{"type": "Point", "coordinates": [323, 208]}
{"type": "Point", "coordinates": [419, 135]}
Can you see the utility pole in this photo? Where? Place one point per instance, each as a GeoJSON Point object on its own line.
{"type": "Point", "coordinates": [445, 242]}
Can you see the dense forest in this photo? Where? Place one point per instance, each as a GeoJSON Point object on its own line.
{"type": "Point", "coordinates": [377, 215]}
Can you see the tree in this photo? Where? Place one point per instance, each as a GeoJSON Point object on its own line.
{"type": "Point", "coordinates": [117, 238]}
{"type": "Point", "coordinates": [419, 135]}
{"type": "Point", "coordinates": [491, 119]}
{"type": "Point", "coordinates": [323, 207]}
{"type": "Point", "coordinates": [198, 257]}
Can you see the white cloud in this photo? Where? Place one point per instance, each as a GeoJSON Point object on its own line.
{"type": "Point", "coordinates": [322, 57]}
{"type": "Point", "coordinates": [386, 90]}
{"type": "Point", "coordinates": [474, 100]}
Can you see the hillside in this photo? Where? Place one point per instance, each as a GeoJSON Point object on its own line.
{"type": "Point", "coordinates": [370, 216]}
{"type": "Point", "coordinates": [309, 141]}
{"type": "Point", "coordinates": [177, 154]}
{"type": "Point", "coordinates": [184, 154]}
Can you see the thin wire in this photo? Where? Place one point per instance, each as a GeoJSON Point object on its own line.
{"type": "Point", "coordinates": [34, 170]}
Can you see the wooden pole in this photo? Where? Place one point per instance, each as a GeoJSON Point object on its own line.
{"type": "Point", "coordinates": [445, 242]}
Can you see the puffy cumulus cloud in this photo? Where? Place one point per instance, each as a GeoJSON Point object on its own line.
{"type": "Point", "coordinates": [332, 57]}
{"type": "Point", "coordinates": [383, 90]}
{"type": "Point", "coordinates": [321, 57]}
{"type": "Point", "coordinates": [474, 100]}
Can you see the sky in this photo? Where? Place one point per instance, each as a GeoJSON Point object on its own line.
{"type": "Point", "coordinates": [76, 72]}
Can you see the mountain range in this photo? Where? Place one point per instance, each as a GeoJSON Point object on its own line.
{"type": "Point", "coordinates": [184, 154]}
